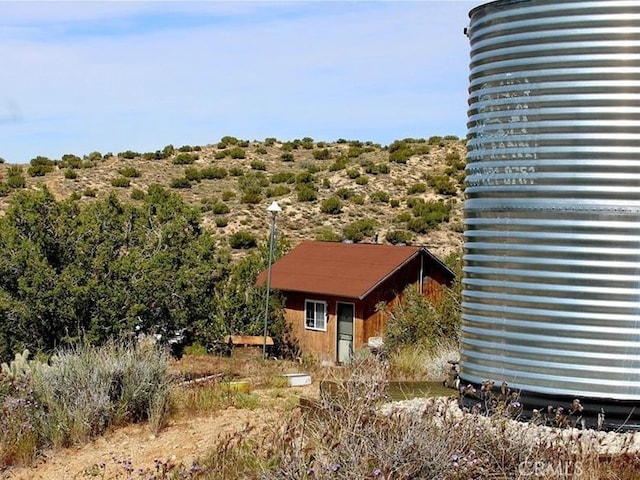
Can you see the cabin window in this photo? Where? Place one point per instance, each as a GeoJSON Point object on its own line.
{"type": "Point", "coordinates": [315, 315]}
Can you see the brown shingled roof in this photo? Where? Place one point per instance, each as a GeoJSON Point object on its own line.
{"type": "Point", "coordinates": [349, 270]}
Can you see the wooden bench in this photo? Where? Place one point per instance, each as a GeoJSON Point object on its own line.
{"type": "Point", "coordinates": [247, 345]}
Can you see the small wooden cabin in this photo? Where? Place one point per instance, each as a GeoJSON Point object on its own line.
{"type": "Point", "coordinates": [331, 291]}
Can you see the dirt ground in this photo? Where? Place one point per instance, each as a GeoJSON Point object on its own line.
{"type": "Point", "coordinates": [182, 441]}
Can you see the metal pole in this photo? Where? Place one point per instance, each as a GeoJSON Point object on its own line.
{"type": "Point", "coordinates": [266, 306]}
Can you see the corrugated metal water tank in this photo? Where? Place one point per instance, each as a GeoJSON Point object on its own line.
{"type": "Point", "coordinates": [551, 298]}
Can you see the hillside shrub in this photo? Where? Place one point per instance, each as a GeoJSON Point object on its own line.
{"type": "Point", "coordinates": [236, 153]}
{"type": "Point", "coordinates": [360, 229]}
{"type": "Point", "coordinates": [362, 180]}
{"type": "Point", "coordinates": [236, 171]}
{"type": "Point", "coordinates": [219, 155]}
{"type": "Point", "coordinates": [213, 173]}
{"type": "Point", "coordinates": [287, 157]}
{"type": "Point", "coordinates": [137, 194]}
{"type": "Point", "coordinates": [399, 236]}
{"type": "Point", "coordinates": [442, 185]}
{"type": "Point", "coordinates": [70, 174]}
{"type": "Point", "coordinates": [358, 199]}
{"type": "Point", "coordinates": [220, 208]}
{"type": "Point", "coordinates": [129, 172]}
{"type": "Point", "coordinates": [184, 158]}
{"type": "Point", "coordinates": [305, 178]}
{"type": "Point", "coordinates": [344, 193]}
{"type": "Point", "coordinates": [251, 198]}
{"type": "Point", "coordinates": [339, 163]}
{"type": "Point", "coordinates": [15, 178]}
{"type": "Point", "coordinates": [417, 188]}
{"type": "Point", "coordinates": [180, 182]}
{"type": "Point", "coordinates": [227, 195]}
{"type": "Point", "coordinates": [258, 165]}
{"type": "Point", "coordinates": [283, 177]}
{"type": "Point", "coordinates": [192, 174]}
{"type": "Point", "coordinates": [353, 173]}
{"type": "Point", "coordinates": [327, 235]}
{"type": "Point", "coordinates": [168, 151]}
{"type": "Point", "coordinates": [380, 196]}
{"type": "Point", "coordinates": [278, 191]}
{"type": "Point", "coordinates": [90, 192]}
{"type": "Point", "coordinates": [306, 192]}
{"type": "Point", "coordinates": [120, 182]}
{"type": "Point", "coordinates": [242, 240]}
{"type": "Point", "coordinates": [129, 154]}
{"type": "Point", "coordinates": [323, 154]}
{"type": "Point", "coordinates": [69, 160]}
{"type": "Point", "coordinates": [39, 170]}
{"type": "Point", "coordinates": [270, 141]}
{"type": "Point", "coordinates": [331, 205]}
{"type": "Point", "coordinates": [221, 222]}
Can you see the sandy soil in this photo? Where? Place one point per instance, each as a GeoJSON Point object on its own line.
{"type": "Point", "coordinates": [182, 441]}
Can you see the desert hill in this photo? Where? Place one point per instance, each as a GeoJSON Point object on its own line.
{"type": "Point", "coordinates": [410, 191]}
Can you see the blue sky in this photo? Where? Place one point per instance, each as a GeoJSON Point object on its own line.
{"type": "Point", "coordinates": [113, 76]}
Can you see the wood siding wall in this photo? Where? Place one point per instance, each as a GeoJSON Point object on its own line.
{"type": "Point", "coordinates": [367, 322]}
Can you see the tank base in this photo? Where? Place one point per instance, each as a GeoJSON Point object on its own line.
{"type": "Point", "coordinates": [552, 410]}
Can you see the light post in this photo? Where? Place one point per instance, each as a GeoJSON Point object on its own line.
{"type": "Point", "coordinates": [274, 208]}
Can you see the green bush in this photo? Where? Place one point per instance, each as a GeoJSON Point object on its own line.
{"type": "Point", "coordinates": [220, 208]}
{"type": "Point", "coordinates": [192, 174]}
{"type": "Point", "coordinates": [168, 151]}
{"type": "Point", "coordinates": [360, 229]}
{"type": "Point", "coordinates": [305, 178]}
{"type": "Point", "coordinates": [399, 236]}
{"type": "Point", "coordinates": [306, 193]}
{"type": "Point", "coordinates": [184, 159]}
{"type": "Point", "coordinates": [220, 155]}
{"type": "Point", "coordinates": [242, 240]}
{"type": "Point", "coordinates": [90, 192]}
{"type": "Point", "coordinates": [339, 163]}
{"type": "Point", "coordinates": [221, 222]}
{"type": "Point", "coordinates": [213, 173]}
{"type": "Point", "coordinates": [435, 140]}
{"type": "Point", "coordinates": [344, 193]}
{"type": "Point", "coordinates": [327, 235]}
{"type": "Point", "coordinates": [278, 191]}
{"type": "Point", "coordinates": [70, 174]}
{"type": "Point", "coordinates": [69, 160]}
{"type": "Point", "coordinates": [258, 165]}
{"type": "Point", "coordinates": [283, 177]}
{"type": "Point", "coordinates": [15, 178]}
{"type": "Point", "coordinates": [394, 203]}
{"type": "Point", "coordinates": [442, 184]}
{"type": "Point", "coordinates": [357, 199]}
{"type": "Point", "coordinates": [137, 194]}
{"type": "Point", "coordinates": [236, 153]}
{"type": "Point", "coordinates": [362, 180]}
{"type": "Point", "coordinates": [331, 205]}
{"type": "Point", "coordinates": [287, 157]}
{"type": "Point", "coordinates": [270, 141]}
{"type": "Point", "coordinates": [251, 198]}
{"type": "Point", "coordinates": [236, 171]}
{"type": "Point", "coordinates": [261, 150]}
{"type": "Point", "coordinates": [181, 182]}
{"type": "Point", "coordinates": [129, 172]}
{"type": "Point", "coordinates": [323, 154]}
{"type": "Point", "coordinates": [380, 197]}
{"type": "Point", "coordinates": [417, 188]}
{"type": "Point", "coordinates": [2, 160]}
{"type": "Point", "coordinates": [129, 154]}
{"type": "Point", "coordinates": [353, 173]}
{"type": "Point", "coordinates": [120, 182]}
{"type": "Point", "coordinates": [228, 195]}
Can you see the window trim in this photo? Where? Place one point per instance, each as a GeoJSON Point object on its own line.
{"type": "Point", "coordinates": [326, 315]}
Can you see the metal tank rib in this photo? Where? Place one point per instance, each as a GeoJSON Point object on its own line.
{"type": "Point", "coordinates": [551, 298]}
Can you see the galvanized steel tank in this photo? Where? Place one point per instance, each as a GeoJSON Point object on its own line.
{"type": "Point", "coordinates": [551, 299]}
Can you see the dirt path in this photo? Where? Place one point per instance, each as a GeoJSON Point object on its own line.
{"type": "Point", "coordinates": [182, 441]}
